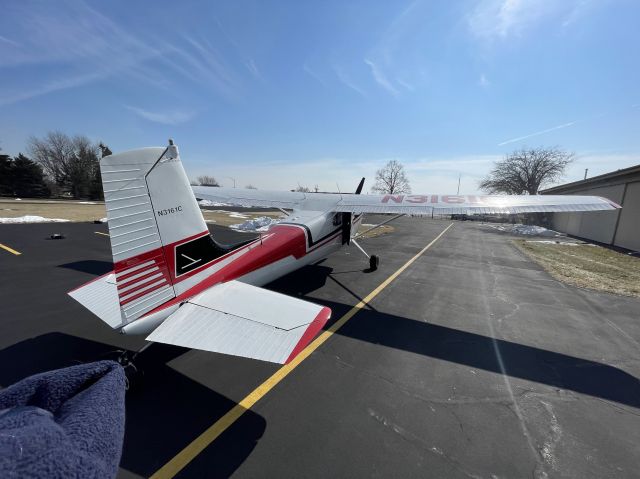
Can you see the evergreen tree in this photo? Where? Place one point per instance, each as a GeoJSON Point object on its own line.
{"type": "Point", "coordinates": [21, 177]}
{"type": "Point", "coordinates": [28, 180]}
{"type": "Point", "coordinates": [5, 176]}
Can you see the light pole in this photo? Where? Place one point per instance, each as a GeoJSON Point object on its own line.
{"type": "Point", "coordinates": [232, 179]}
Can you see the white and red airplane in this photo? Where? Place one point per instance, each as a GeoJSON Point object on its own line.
{"type": "Point", "coordinates": [175, 283]}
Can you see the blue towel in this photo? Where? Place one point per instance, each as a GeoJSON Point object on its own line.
{"type": "Point", "coordinates": [64, 423]}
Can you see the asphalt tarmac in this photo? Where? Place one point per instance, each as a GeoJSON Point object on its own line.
{"type": "Point", "coordinates": [472, 363]}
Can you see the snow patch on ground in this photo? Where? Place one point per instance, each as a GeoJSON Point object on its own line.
{"type": "Point", "coordinates": [103, 220]}
{"type": "Point", "coordinates": [565, 243]}
{"type": "Point", "coordinates": [239, 216]}
{"type": "Point", "coordinates": [530, 230]}
{"type": "Point", "coordinates": [31, 219]}
{"type": "Point", "coordinates": [86, 203]}
{"type": "Point", "coordinates": [260, 224]}
{"type": "Point", "coordinates": [211, 203]}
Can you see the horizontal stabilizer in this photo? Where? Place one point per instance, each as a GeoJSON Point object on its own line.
{"type": "Point", "coordinates": [243, 320]}
{"type": "Point", "coordinates": [100, 296]}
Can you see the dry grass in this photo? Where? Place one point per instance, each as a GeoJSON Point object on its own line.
{"type": "Point", "coordinates": [68, 210]}
{"type": "Point", "coordinates": [587, 266]}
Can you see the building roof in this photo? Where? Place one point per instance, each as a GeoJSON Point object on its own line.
{"type": "Point", "coordinates": [618, 176]}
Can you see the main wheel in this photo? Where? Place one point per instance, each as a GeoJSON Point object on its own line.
{"type": "Point", "coordinates": [374, 261]}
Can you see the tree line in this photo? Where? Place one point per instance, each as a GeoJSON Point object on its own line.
{"type": "Point", "coordinates": [56, 165]}
{"type": "Point", "coordinates": [59, 165]}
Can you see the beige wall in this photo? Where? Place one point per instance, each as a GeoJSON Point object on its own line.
{"type": "Point", "coordinates": [595, 225]}
{"type": "Point", "coordinates": [628, 235]}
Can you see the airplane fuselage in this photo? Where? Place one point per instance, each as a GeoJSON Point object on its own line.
{"type": "Point", "coordinates": [303, 238]}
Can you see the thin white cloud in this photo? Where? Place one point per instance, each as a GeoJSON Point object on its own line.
{"type": "Point", "coordinates": [174, 117]}
{"type": "Point", "coordinates": [9, 41]}
{"type": "Point", "coordinates": [402, 39]}
{"type": "Point", "coordinates": [380, 78]}
{"type": "Point", "coordinates": [253, 68]}
{"type": "Point", "coordinates": [71, 39]}
{"type": "Point", "coordinates": [408, 86]}
{"type": "Point", "coordinates": [499, 19]}
{"type": "Point", "coordinates": [346, 80]}
{"type": "Point", "coordinates": [49, 87]}
{"type": "Point", "coordinates": [484, 81]}
{"type": "Point", "coordinates": [307, 69]}
{"type": "Point", "coordinates": [579, 10]}
{"type": "Point", "coordinates": [537, 133]}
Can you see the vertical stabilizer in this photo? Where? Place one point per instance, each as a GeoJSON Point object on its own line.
{"type": "Point", "coordinates": [150, 205]}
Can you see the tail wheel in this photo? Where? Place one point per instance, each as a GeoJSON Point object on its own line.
{"type": "Point", "coordinates": [374, 262]}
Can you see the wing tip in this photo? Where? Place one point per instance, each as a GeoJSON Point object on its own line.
{"type": "Point", "coordinates": [611, 203]}
{"type": "Point", "coordinates": [314, 327]}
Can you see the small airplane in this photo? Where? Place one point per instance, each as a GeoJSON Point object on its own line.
{"type": "Point", "coordinates": [175, 283]}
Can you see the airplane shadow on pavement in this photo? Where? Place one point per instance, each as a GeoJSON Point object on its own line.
{"type": "Point", "coordinates": [163, 414]}
{"type": "Point", "coordinates": [477, 351]}
{"type": "Point", "coordinates": [553, 369]}
{"type": "Point", "coordinates": [90, 266]}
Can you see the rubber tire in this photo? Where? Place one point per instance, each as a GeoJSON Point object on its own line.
{"type": "Point", "coordinates": [374, 262]}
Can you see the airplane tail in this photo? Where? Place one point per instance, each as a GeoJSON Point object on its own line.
{"type": "Point", "coordinates": [161, 248]}
{"type": "Point", "coordinates": [150, 210]}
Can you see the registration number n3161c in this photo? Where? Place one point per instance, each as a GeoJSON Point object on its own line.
{"type": "Point", "coordinates": [169, 211]}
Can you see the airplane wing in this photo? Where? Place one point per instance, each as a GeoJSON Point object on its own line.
{"type": "Point", "coordinates": [249, 197]}
{"type": "Point", "coordinates": [417, 204]}
{"type": "Point", "coordinates": [470, 205]}
{"type": "Point", "coordinates": [243, 320]}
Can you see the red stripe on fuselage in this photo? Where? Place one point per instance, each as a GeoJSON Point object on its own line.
{"type": "Point", "coordinates": [283, 241]}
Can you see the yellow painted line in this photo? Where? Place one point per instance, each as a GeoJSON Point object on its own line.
{"type": "Point", "coordinates": [101, 233]}
{"type": "Point", "coordinates": [184, 457]}
{"type": "Point", "coordinates": [10, 250]}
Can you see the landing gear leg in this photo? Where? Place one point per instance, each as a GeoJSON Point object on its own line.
{"type": "Point", "coordinates": [374, 261]}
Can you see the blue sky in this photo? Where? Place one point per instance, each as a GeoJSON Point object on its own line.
{"type": "Point", "coordinates": [280, 93]}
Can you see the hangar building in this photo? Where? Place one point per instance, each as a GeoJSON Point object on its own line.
{"type": "Point", "coordinates": [619, 228]}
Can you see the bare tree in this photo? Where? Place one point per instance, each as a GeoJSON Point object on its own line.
{"type": "Point", "coordinates": [206, 180]}
{"type": "Point", "coordinates": [72, 164]}
{"type": "Point", "coordinates": [391, 179]}
{"type": "Point", "coordinates": [526, 171]}
{"type": "Point", "coordinates": [251, 187]}
{"type": "Point", "coordinates": [54, 153]}
{"type": "Point", "coordinates": [302, 189]}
